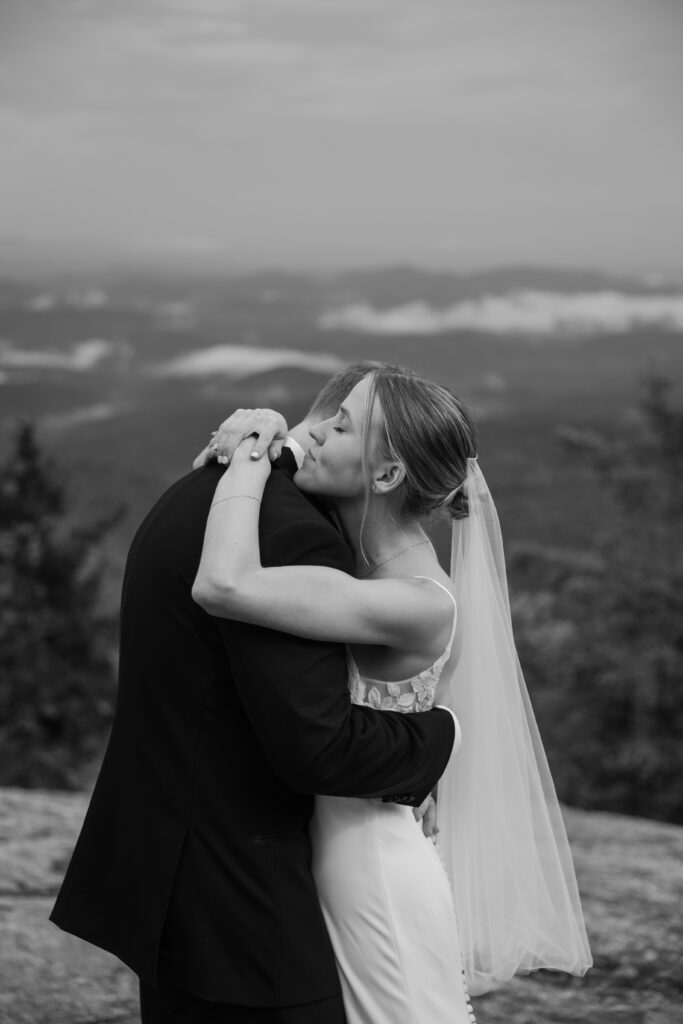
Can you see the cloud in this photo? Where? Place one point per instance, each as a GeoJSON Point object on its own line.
{"type": "Point", "coordinates": [180, 245]}
{"type": "Point", "coordinates": [88, 298]}
{"type": "Point", "coordinates": [523, 312]}
{"type": "Point", "coordinates": [80, 417]}
{"type": "Point", "coordinates": [238, 361]}
{"type": "Point", "coordinates": [175, 316]}
{"type": "Point", "coordinates": [397, 121]}
{"type": "Point", "coordinates": [83, 357]}
{"type": "Point", "coordinates": [357, 59]}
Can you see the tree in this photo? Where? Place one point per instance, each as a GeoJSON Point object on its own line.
{"type": "Point", "coordinates": [56, 686]}
{"type": "Point", "coordinates": [602, 644]}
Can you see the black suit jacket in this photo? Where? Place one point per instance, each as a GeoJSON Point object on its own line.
{"type": "Point", "coordinates": [194, 857]}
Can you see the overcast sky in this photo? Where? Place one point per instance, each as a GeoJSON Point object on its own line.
{"type": "Point", "coordinates": [325, 133]}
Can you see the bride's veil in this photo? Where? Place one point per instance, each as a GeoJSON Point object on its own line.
{"type": "Point", "coordinates": [502, 838]}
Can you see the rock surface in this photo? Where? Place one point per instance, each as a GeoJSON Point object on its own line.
{"type": "Point", "coordinates": [630, 874]}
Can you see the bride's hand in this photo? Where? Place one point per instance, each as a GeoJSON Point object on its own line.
{"type": "Point", "coordinates": [426, 813]}
{"type": "Point", "coordinates": [268, 426]}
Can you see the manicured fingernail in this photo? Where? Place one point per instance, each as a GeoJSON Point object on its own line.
{"type": "Point", "coordinates": [254, 455]}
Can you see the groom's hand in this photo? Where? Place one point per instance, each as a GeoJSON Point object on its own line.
{"type": "Point", "coordinates": [426, 814]}
{"type": "Point", "coordinates": [269, 429]}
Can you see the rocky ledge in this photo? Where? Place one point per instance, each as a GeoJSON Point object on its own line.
{"type": "Point", "coordinates": [630, 874]}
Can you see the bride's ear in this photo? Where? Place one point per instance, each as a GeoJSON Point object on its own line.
{"type": "Point", "coordinates": [387, 477]}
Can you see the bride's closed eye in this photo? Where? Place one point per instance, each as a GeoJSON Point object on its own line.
{"type": "Point", "coordinates": [341, 418]}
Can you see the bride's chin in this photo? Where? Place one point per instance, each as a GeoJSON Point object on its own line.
{"type": "Point", "coordinates": [304, 483]}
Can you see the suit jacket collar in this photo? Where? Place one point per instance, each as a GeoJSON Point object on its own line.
{"type": "Point", "coordinates": [287, 462]}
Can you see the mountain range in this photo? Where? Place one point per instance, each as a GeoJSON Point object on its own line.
{"type": "Point", "coordinates": [126, 372]}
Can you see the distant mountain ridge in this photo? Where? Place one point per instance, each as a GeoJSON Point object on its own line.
{"type": "Point", "coordinates": [125, 375]}
{"type": "Point", "coordinates": [382, 287]}
{"type": "Point", "coordinates": [392, 285]}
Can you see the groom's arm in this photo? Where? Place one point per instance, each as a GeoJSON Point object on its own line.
{"type": "Point", "coordinates": [295, 693]}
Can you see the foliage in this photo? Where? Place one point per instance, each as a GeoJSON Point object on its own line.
{"type": "Point", "coordinates": [55, 662]}
{"type": "Point", "coordinates": [601, 642]}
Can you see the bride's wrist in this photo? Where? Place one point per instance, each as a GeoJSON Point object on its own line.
{"type": "Point", "coordinates": [244, 476]}
{"type": "Point", "coordinates": [233, 489]}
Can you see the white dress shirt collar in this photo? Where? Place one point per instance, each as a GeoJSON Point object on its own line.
{"type": "Point", "coordinates": [296, 449]}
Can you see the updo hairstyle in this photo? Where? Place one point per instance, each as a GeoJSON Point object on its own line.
{"type": "Point", "coordinates": [430, 432]}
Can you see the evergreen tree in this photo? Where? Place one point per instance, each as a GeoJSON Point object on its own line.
{"type": "Point", "coordinates": [602, 644]}
{"type": "Point", "coordinates": [56, 685]}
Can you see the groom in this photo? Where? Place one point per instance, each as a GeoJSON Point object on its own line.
{"type": "Point", "coordinates": [193, 864]}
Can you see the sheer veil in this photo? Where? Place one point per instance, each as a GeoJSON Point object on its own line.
{"type": "Point", "coordinates": [502, 838]}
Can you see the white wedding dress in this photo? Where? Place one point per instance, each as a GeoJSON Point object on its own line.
{"type": "Point", "coordinates": [384, 892]}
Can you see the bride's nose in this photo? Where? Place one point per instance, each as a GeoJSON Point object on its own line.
{"type": "Point", "coordinates": [317, 432]}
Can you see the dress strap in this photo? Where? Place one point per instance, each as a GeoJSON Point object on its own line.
{"type": "Point", "coordinates": [447, 649]}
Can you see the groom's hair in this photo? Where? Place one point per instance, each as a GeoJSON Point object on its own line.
{"type": "Point", "coordinates": [332, 394]}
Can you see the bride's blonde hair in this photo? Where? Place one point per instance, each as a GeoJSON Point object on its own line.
{"type": "Point", "coordinates": [429, 431]}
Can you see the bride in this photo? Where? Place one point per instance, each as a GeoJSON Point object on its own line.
{"type": "Point", "coordinates": [413, 924]}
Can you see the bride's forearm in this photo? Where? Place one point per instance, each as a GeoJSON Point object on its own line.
{"type": "Point", "coordinates": [310, 600]}
{"type": "Point", "coordinates": [231, 542]}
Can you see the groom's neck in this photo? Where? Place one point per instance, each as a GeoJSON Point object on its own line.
{"type": "Point", "coordinates": [300, 433]}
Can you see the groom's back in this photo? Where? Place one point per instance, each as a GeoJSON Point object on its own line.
{"type": "Point", "coordinates": [179, 835]}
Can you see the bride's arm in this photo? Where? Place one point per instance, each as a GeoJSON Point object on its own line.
{"type": "Point", "coordinates": [307, 600]}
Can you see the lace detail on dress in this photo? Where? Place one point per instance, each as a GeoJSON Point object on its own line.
{"type": "Point", "coordinates": [407, 696]}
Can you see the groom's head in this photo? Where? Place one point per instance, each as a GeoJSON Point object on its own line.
{"type": "Point", "coordinates": [338, 388]}
{"type": "Point", "coordinates": [331, 396]}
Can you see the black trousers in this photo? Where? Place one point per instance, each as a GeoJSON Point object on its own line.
{"type": "Point", "coordinates": [169, 1005]}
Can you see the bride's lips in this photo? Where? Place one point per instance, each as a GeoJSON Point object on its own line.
{"type": "Point", "coordinates": [309, 455]}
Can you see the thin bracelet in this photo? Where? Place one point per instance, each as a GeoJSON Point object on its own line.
{"type": "Point", "coordinates": [231, 497]}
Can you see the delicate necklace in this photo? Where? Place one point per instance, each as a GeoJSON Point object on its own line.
{"type": "Point", "coordinates": [379, 565]}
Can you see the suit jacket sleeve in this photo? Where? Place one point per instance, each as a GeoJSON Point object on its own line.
{"type": "Point", "coordinates": [295, 693]}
